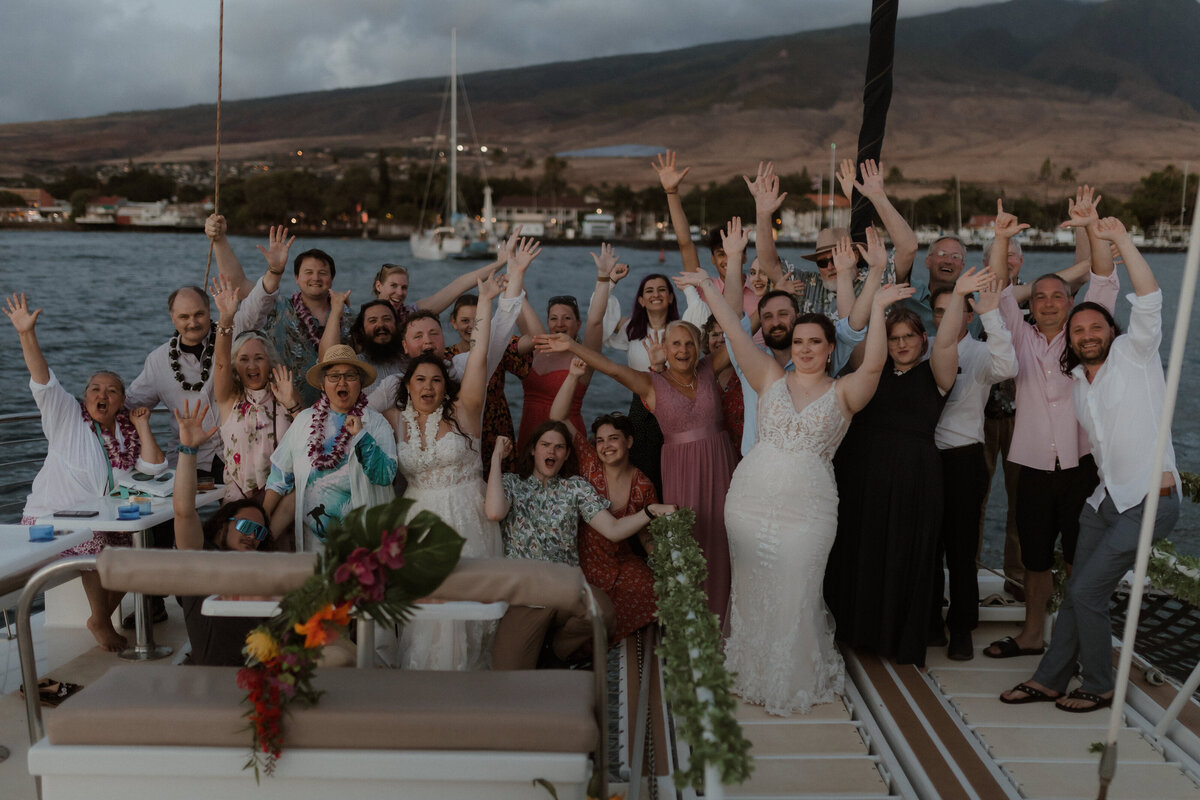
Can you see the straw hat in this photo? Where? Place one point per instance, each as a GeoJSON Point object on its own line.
{"type": "Point", "coordinates": [826, 239]}
{"type": "Point", "coordinates": [339, 354]}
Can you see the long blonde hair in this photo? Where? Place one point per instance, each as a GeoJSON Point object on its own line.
{"type": "Point", "coordinates": [242, 339]}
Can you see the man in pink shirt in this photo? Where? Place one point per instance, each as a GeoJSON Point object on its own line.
{"type": "Point", "coordinates": [1057, 469]}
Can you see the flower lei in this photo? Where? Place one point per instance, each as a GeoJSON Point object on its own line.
{"type": "Point", "coordinates": [424, 451]}
{"type": "Point", "coordinates": [307, 321]}
{"type": "Point", "coordinates": [119, 458]}
{"type": "Point", "coordinates": [205, 362]}
{"type": "Point", "coordinates": [316, 435]}
{"type": "Point", "coordinates": [373, 563]}
{"type": "Point", "coordinates": [694, 676]}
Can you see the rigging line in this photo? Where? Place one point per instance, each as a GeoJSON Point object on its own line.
{"type": "Point", "coordinates": [482, 162]}
{"type": "Point", "coordinates": [433, 159]}
{"type": "Point", "coordinates": [217, 170]}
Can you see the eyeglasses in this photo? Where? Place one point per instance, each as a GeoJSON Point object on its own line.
{"type": "Point", "coordinates": [904, 337]}
{"type": "Point", "coordinates": [248, 527]}
{"type": "Point", "coordinates": [948, 254]}
{"type": "Point", "coordinates": [343, 377]}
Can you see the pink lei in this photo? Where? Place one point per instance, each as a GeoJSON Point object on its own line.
{"type": "Point", "coordinates": [119, 458]}
{"type": "Point", "coordinates": [316, 434]}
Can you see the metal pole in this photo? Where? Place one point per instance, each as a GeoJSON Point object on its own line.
{"type": "Point", "coordinates": [453, 125]}
{"type": "Point", "coordinates": [1108, 762]}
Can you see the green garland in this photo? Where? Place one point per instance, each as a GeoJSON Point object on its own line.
{"type": "Point", "coordinates": [697, 683]}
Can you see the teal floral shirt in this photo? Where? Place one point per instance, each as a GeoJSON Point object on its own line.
{"type": "Point", "coordinates": [543, 520]}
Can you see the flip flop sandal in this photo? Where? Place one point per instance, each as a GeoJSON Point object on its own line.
{"type": "Point", "coordinates": [51, 693]}
{"type": "Point", "coordinates": [1032, 695]}
{"type": "Point", "coordinates": [1096, 700]}
{"type": "Point", "coordinates": [1008, 648]}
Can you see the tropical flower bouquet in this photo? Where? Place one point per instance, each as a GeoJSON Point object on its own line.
{"type": "Point", "coordinates": [374, 563]}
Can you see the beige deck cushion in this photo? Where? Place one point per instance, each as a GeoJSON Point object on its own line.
{"type": "Point", "coordinates": [527, 711]}
{"type": "Point", "coordinates": [195, 572]}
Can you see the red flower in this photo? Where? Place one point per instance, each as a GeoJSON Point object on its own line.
{"type": "Point", "coordinates": [237, 458]}
{"type": "Point", "coordinates": [391, 547]}
{"type": "Point", "coordinates": [362, 565]}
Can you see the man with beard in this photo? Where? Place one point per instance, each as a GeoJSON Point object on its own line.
{"type": "Point", "coordinates": [777, 312]}
{"type": "Point", "coordinates": [421, 331]}
{"type": "Point", "coordinates": [1118, 390]}
{"type": "Point", "coordinates": [373, 334]}
{"type": "Point", "coordinates": [1057, 469]}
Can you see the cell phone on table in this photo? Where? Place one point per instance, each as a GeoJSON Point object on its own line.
{"type": "Point", "coordinates": [76, 514]}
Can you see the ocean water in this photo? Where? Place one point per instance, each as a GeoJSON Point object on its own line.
{"type": "Point", "coordinates": [104, 295]}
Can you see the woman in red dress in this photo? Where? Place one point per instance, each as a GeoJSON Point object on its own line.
{"type": "Point", "coordinates": [608, 565]}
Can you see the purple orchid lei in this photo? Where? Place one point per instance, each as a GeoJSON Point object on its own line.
{"type": "Point", "coordinates": [316, 436]}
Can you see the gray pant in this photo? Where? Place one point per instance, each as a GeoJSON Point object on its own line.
{"type": "Point", "coordinates": [1083, 631]}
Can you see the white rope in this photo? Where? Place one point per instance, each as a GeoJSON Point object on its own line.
{"type": "Point", "coordinates": [1108, 762]}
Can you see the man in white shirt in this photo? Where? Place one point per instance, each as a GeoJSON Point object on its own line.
{"type": "Point", "coordinates": [1118, 395]}
{"type": "Point", "coordinates": [959, 438]}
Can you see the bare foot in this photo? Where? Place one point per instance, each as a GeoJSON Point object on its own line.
{"type": "Point", "coordinates": [106, 635]}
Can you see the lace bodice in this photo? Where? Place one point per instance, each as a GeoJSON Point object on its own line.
{"type": "Point", "coordinates": [452, 461]}
{"type": "Point", "coordinates": [818, 429]}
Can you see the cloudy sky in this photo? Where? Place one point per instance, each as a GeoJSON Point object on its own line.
{"type": "Point", "coordinates": [78, 58]}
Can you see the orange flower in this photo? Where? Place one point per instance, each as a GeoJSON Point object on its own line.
{"type": "Point", "coordinates": [316, 634]}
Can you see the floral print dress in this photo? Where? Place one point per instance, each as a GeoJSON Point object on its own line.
{"type": "Point", "coordinates": [543, 519]}
{"type": "Point", "coordinates": [250, 434]}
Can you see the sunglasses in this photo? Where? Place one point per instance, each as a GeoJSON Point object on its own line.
{"type": "Point", "coordinates": [564, 300]}
{"type": "Point", "coordinates": [248, 527]}
{"type": "Point", "coordinates": [163, 478]}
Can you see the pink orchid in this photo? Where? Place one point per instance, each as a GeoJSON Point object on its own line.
{"type": "Point", "coordinates": [362, 565]}
{"type": "Point", "coordinates": [391, 547]}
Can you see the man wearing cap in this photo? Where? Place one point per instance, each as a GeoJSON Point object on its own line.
{"type": "Point", "coordinates": [336, 456]}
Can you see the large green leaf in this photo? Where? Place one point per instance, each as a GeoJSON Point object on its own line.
{"type": "Point", "coordinates": [431, 553]}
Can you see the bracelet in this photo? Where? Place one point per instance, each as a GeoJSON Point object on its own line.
{"type": "Point", "coordinates": [649, 513]}
{"type": "Point", "coordinates": [273, 272]}
{"type": "Point", "coordinates": [603, 279]}
{"type": "Point", "coordinates": [224, 331]}
{"type": "Point", "coordinates": [293, 410]}
{"type": "Point", "coordinates": [673, 192]}
{"type": "Point", "coordinates": [183, 448]}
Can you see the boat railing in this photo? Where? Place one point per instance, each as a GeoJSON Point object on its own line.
{"type": "Point", "coordinates": [23, 450]}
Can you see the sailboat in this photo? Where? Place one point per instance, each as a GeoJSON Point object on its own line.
{"type": "Point", "coordinates": [462, 237]}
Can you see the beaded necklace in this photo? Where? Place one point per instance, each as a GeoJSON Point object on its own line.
{"type": "Point", "coordinates": [119, 458]}
{"type": "Point", "coordinates": [205, 362]}
{"type": "Point", "coordinates": [316, 435]}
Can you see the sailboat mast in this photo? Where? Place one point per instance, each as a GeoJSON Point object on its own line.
{"type": "Point", "coordinates": [453, 125]}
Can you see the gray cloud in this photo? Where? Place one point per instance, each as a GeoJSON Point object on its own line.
{"type": "Point", "coordinates": [76, 58]}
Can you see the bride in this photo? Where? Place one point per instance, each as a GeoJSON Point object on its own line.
{"type": "Point", "coordinates": [781, 513]}
{"type": "Point", "coordinates": [438, 427]}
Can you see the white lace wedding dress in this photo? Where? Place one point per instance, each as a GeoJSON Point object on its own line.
{"type": "Point", "coordinates": [446, 480]}
{"type": "Point", "coordinates": [781, 516]}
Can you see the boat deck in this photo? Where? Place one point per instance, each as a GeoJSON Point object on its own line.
{"type": "Point", "coordinates": [899, 732]}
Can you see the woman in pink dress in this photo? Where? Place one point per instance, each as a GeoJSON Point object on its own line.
{"type": "Point", "coordinates": [697, 456]}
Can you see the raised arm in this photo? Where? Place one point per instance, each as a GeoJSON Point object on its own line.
{"type": "Point", "coordinates": [560, 409]}
{"type": "Point", "coordinates": [276, 254]}
{"type": "Point", "coordinates": [472, 395]}
{"type": "Point", "coordinates": [875, 255]}
{"type": "Point", "coordinates": [637, 382]}
{"type": "Point", "coordinates": [1006, 228]}
{"type": "Point", "coordinates": [845, 263]}
{"type": "Point", "coordinates": [760, 369]}
{"type": "Point", "coordinates": [338, 301]}
{"type": "Point", "coordinates": [606, 266]}
{"type": "Point", "coordinates": [858, 387]}
{"type": "Point", "coordinates": [227, 263]}
{"type": "Point", "coordinates": [189, 533]}
{"type": "Point", "coordinates": [671, 178]}
{"type": "Point", "coordinates": [767, 200]}
{"type": "Point", "coordinates": [25, 321]}
{"type": "Point", "coordinates": [226, 296]}
{"type": "Point", "coordinates": [734, 240]}
{"type": "Point", "coordinates": [1111, 229]}
{"type": "Point", "coordinates": [943, 360]}
{"type": "Point", "coordinates": [151, 452]}
{"type": "Point", "coordinates": [872, 188]}
{"type": "Point", "coordinates": [495, 501]}
{"type": "Point", "coordinates": [1082, 213]}
{"type": "Point", "coordinates": [443, 298]}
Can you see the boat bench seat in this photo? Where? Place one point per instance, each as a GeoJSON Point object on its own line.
{"type": "Point", "coordinates": [548, 711]}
